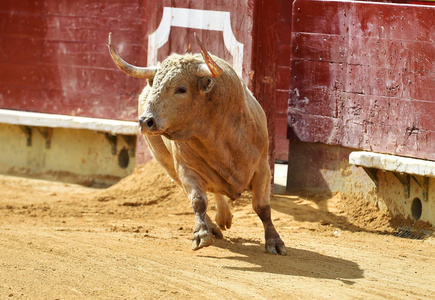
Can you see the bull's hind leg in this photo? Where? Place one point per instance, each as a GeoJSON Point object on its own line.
{"type": "Point", "coordinates": [261, 204]}
{"type": "Point", "coordinates": [224, 217]}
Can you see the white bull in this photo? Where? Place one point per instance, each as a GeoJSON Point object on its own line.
{"type": "Point", "coordinates": [208, 131]}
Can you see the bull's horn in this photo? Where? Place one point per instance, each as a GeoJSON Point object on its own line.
{"type": "Point", "coordinates": [210, 67]}
{"type": "Point", "coordinates": [131, 70]}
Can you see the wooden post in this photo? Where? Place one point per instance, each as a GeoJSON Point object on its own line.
{"type": "Point", "coordinates": [264, 56]}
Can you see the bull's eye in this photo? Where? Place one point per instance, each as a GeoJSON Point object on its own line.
{"type": "Point", "coordinates": [181, 90]}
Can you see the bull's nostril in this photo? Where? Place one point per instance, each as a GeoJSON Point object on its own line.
{"type": "Point", "coordinates": [148, 123]}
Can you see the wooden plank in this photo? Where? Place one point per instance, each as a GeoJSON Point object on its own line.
{"type": "Point", "coordinates": [54, 58]}
{"type": "Point", "coordinates": [62, 45]}
{"type": "Point", "coordinates": [318, 102]}
{"type": "Point", "coordinates": [264, 59]}
{"type": "Point", "coordinates": [308, 46]}
{"type": "Point", "coordinates": [282, 91]}
{"type": "Point", "coordinates": [376, 79]}
{"type": "Point", "coordinates": [181, 40]}
{"type": "Point", "coordinates": [319, 129]}
{"type": "Point", "coordinates": [315, 17]}
{"type": "Point", "coordinates": [61, 121]}
{"type": "Point", "coordinates": [317, 75]}
{"type": "Point", "coordinates": [121, 106]}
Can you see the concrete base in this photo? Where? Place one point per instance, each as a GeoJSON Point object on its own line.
{"type": "Point", "coordinates": [319, 167]}
{"type": "Point", "coordinates": [74, 155]}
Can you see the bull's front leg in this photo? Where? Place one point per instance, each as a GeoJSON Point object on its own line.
{"type": "Point", "coordinates": [201, 235]}
{"type": "Point", "coordinates": [261, 205]}
{"type": "Point", "coordinates": [194, 187]}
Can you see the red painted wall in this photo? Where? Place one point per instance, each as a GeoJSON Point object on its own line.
{"type": "Point", "coordinates": [54, 57]}
{"type": "Point", "coordinates": [182, 40]}
{"type": "Point", "coordinates": [363, 76]}
{"type": "Point", "coordinates": [283, 80]}
{"type": "Point", "coordinates": [264, 57]}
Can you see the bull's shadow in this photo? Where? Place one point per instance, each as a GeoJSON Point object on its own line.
{"type": "Point", "coordinates": [297, 262]}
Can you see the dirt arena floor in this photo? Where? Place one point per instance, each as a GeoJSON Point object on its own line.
{"type": "Point", "coordinates": [132, 241]}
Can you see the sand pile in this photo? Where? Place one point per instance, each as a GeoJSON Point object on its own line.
{"type": "Point", "coordinates": [150, 185]}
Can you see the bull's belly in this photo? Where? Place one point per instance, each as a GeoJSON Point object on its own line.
{"type": "Point", "coordinates": [226, 180]}
{"type": "Point", "coordinates": [224, 188]}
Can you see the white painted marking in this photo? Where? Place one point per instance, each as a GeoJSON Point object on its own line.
{"type": "Point", "coordinates": [297, 92]}
{"type": "Point", "coordinates": [195, 19]}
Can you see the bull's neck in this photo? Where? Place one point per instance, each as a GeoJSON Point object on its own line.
{"type": "Point", "coordinates": [221, 131]}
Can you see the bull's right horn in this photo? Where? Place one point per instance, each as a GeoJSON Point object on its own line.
{"type": "Point", "coordinates": [124, 66]}
{"type": "Point", "coordinates": [211, 67]}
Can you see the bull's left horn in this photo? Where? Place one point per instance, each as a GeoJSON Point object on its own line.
{"type": "Point", "coordinates": [124, 66]}
{"type": "Point", "coordinates": [210, 68]}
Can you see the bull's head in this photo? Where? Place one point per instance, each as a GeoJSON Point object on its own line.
{"type": "Point", "coordinates": [173, 87]}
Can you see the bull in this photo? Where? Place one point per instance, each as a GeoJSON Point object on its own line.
{"type": "Point", "coordinates": [204, 126]}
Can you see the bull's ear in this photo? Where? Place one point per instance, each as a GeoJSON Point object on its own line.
{"type": "Point", "coordinates": [205, 84]}
{"type": "Point", "coordinates": [150, 81]}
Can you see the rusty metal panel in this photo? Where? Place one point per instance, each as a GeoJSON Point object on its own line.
{"type": "Point", "coordinates": [363, 76]}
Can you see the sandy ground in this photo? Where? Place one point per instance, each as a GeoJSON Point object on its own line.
{"type": "Point", "coordinates": [132, 241]}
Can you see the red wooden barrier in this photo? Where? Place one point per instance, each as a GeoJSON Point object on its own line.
{"type": "Point", "coordinates": [363, 76]}
{"type": "Point", "coordinates": [54, 58]}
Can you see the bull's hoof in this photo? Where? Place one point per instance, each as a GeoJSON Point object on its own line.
{"type": "Point", "coordinates": [201, 239]}
{"type": "Point", "coordinates": [213, 228]}
{"type": "Point", "coordinates": [224, 219]}
{"type": "Point", "coordinates": [215, 231]}
{"type": "Point", "coordinates": [275, 246]}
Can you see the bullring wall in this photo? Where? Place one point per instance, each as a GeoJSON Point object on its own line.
{"type": "Point", "coordinates": [362, 78]}
{"type": "Point", "coordinates": [54, 57]}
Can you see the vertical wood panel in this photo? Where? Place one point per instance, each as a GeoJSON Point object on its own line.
{"type": "Point", "coordinates": [367, 79]}
{"type": "Point", "coordinates": [265, 37]}
{"type": "Point", "coordinates": [283, 79]}
{"type": "Point", "coordinates": [58, 48]}
{"type": "Point", "coordinates": [54, 58]}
